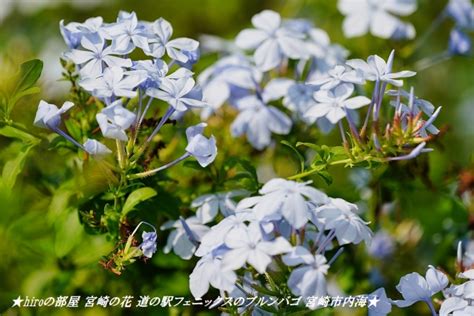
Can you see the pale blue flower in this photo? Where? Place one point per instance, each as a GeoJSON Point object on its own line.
{"type": "Point", "coordinates": [114, 120]}
{"type": "Point", "coordinates": [193, 57]}
{"type": "Point", "coordinates": [375, 16]}
{"type": "Point", "coordinates": [49, 116]}
{"type": "Point", "coordinates": [299, 98]}
{"type": "Point", "coordinates": [317, 43]}
{"type": "Point", "coordinates": [179, 241]}
{"type": "Point", "coordinates": [176, 93]}
{"type": "Point", "coordinates": [284, 198]}
{"type": "Point", "coordinates": [155, 71]}
{"type": "Point", "coordinates": [339, 215]}
{"type": "Point", "coordinates": [73, 32]}
{"type": "Point", "coordinates": [258, 121]}
{"type": "Point", "coordinates": [417, 103]}
{"type": "Point", "coordinates": [160, 43]}
{"type": "Point", "coordinates": [95, 148]}
{"type": "Point", "coordinates": [403, 31]}
{"type": "Point", "coordinates": [462, 12]}
{"type": "Point", "coordinates": [308, 279]}
{"type": "Point", "coordinates": [115, 82]}
{"type": "Point", "coordinates": [126, 34]}
{"type": "Point", "coordinates": [338, 75]}
{"type": "Point", "coordinates": [415, 288]}
{"type": "Point", "coordinates": [382, 245]}
{"type": "Point", "coordinates": [456, 306]}
{"type": "Point", "coordinates": [221, 80]}
{"type": "Point", "coordinates": [333, 104]}
{"type": "Point", "coordinates": [215, 237]}
{"type": "Point", "coordinates": [382, 305]}
{"type": "Point", "coordinates": [276, 89]}
{"type": "Point", "coordinates": [209, 205]}
{"type": "Point", "coordinates": [459, 43]}
{"type": "Point", "coordinates": [148, 245]}
{"type": "Point", "coordinates": [272, 41]}
{"type": "Point", "coordinates": [209, 271]}
{"type": "Point", "coordinates": [94, 56]}
{"type": "Point", "coordinates": [248, 246]}
{"type": "Point", "coordinates": [376, 69]}
{"type": "Point", "coordinates": [420, 148]}
{"type": "Point", "coordinates": [202, 148]}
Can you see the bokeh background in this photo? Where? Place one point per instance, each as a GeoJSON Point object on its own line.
{"type": "Point", "coordinates": [44, 250]}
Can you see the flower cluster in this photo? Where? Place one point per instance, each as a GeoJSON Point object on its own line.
{"type": "Point", "coordinates": [322, 93]}
{"type": "Point", "coordinates": [123, 93]}
{"type": "Point", "coordinates": [377, 17]}
{"type": "Point", "coordinates": [415, 288]}
{"type": "Point", "coordinates": [100, 53]}
{"type": "Point", "coordinates": [289, 225]}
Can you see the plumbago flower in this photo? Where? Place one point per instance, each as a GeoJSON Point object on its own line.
{"type": "Point", "coordinates": [258, 121]}
{"type": "Point", "coordinates": [209, 205]}
{"type": "Point", "coordinates": [256, 237]}
{"type": "Point", "coordinates": [309, 278]}
{"type": "Point", "coordinates": [95, 57]}
{"type": "Point", "coordinates": [114, 82]}
{"type": "Point", "coordinates": [415, 288]}
{"type": "Point", "coordinates": [127, 33]}
{"type": "Point", "coordinates": [178, 49]}
{"type": "Point", "coordinates": [375, 16]}
{"type": "Point", "coordinates": [114, 120]}
{"type": "Point", "coordinates": [334, 104]}
{"type": "Point", "coordinates": [120, 93]}
{"type": "Point", "coordinates": [272, 41]}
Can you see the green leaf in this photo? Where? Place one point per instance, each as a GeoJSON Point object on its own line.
{"type": "Point", "coordinates": [12, 168]}
{"type": "Point", "coordinates": [30, 72]}
{"type": "Point", "coordinates": [17, 96]}
{"type": "Point", "coordinates": [137, 197]}
{"type": "Point", "coordinates": [326, 176]}
{"type": "Point", "coordinates": [12, 132]}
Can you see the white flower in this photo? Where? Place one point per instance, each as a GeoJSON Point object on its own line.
{"type": "Point", "coordinates": [418, 104]}
{"type": "Point", "coordinates": [209, 205]}
{"type": "Point", "coordinates": [220, 80]}
{"type": "Point", "coordinates": [176, 92]}
{"type": "Point", "coordinates": [95, 148]}
{"type": "Point", "coordinates": [382, 306]}
{"type": "Point", "coordinates": [299, 98]}
{"type": "Point", "coordinates": [209, 271]}
{"type": "Point", "coordinates": [114, 82]}
{"type": "Point", "coordinates": [155, 71]}
{"type": "Point", "coordinates": [126, 34]}
{"type": "Point", "coordinates": [374, 15]}
{"type": "Point", "coordinates": [202, 148]}
{"type": "Point", "coordinates": [94, 56]}
{"type": "Point", "coordinates": [334, 104]}
{"type": "Point", "coordinates": [456, 306]}
{"type": "Point", "coordinates": [247, 245]}
{"type": "Point", "coordinates": [215, 237]}
{"type": "Point", "coordinates": [339, 215]}
{"type": "Point", "coordinates": [376, 69]}
{"type": "Point", "coordinates": [161, 43]}
{"type": "Point", "coordinates": [179, 241]}
{"type": "Point", "coordinates": [49, 116]}
{"type": "Point", "coordinates": [258, 121]}
{"type": "Point", "coordinates": [414, 287]}
{"type": "Point", "coordinates": [337, 76]}
{"type": "Point", "coordinates": [114, 120]}
{"type": "Point", "coordinates": [272, 41]}
{"type": "Point", "coordinates": [284, 198]}
{"type": "Point", "coordinates": [309, 278]}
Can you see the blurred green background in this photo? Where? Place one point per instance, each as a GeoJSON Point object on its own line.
{"type": "Point", "coordinates": [45, 252]}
